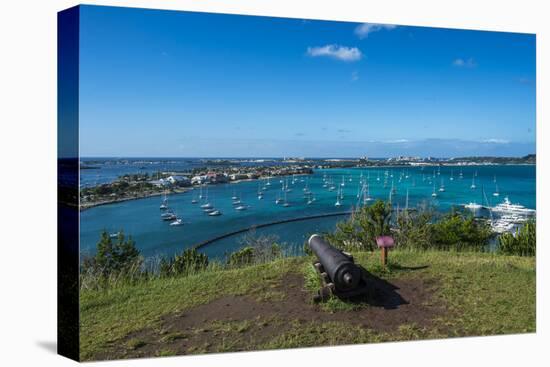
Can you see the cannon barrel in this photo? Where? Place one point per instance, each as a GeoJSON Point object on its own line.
{"type": "Point", "coordinates": [340, 268]}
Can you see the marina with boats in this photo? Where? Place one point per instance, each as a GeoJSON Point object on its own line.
{"type": "Point", "coordinates": [503, 195]}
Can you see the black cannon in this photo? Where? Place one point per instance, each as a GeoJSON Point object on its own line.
{"type": "Point", "coordinates": [339, 273]}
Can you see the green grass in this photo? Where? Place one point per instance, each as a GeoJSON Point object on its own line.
{"type": "Point", "coordinates": [108, 315]}
{"type": "Point", "coordinates": [484, 293]}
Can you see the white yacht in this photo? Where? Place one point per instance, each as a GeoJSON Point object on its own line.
{"type": "Point", "coordinates": [206, 206]}
{"type": "Point", "coordinates": [168, 216]}
{"type": "Point", "coordinates": [473, 206]}
{"type": "Point", "coordinates": [177, 222]}
{"type": "Point", "coordinates": [507, 207]}
{"type": "Point", "coordinates": [215, 213]}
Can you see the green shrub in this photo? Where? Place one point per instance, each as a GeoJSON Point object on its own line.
{"type": "Point", "coordinates": [244, 256]}
{"type": "Point", "coordinates": [412, 229]}
{"type": "Point", "coordinates": [190, 261]}
{"type": "Point", "coordinates": [255, 250]}
{"type": "Point", "coordinates": [522, 242]}
{"type": "Point", "coordinates": [456, 231]}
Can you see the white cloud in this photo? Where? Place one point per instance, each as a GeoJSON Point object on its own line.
{"type": "Point", "coordinates": [496, 141]}
{"type": "Point", "coordinates": [462, 63]}
{"type": "Point", "coordinates": [336, 51]}
{"type": "Point", "coordinates": [363, 30]}
{"type": "Point", "coordinates": [354, 76]}
{"type": "Point", "coordinates": [396, 141]}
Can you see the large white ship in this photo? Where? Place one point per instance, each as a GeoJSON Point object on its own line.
{"type": "Point", "coordinates": [506, 207]}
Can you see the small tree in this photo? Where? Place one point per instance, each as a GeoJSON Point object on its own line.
{"type": "Point", "coordinates": [113, 258]}
{"type": "Point", "coordinates": [413, 229]}
{"type": "Point", "coordinates": [359, 232]}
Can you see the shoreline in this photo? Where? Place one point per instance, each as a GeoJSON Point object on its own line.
{"type": "Point", "coordinates": [84, 207]}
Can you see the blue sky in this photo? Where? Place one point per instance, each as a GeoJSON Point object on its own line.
{"type": "Point", "coordinates": [162, 83]}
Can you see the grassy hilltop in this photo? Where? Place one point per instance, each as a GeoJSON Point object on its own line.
{"type": "Point", "coordinates": [438, 294]}
{"type": "Point", "coordinates": [441, 282]}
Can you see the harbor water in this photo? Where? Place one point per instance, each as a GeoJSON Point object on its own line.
{"type": "Point", "coordinates": [155, 237]}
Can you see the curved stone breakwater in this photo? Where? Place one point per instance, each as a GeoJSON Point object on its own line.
{"type": "Point", "coordinates": [244, 230]}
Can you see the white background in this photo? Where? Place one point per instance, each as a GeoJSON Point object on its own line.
{"type": "Point", "coordinates": [28, 181]}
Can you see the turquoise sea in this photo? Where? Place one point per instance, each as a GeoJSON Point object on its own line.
{"type": "Point", "coordinates": [154, 237]}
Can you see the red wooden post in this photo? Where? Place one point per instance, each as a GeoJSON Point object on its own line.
{"type": "Point", "coordinates": [384, 255]}
{"type": "Point", "coordinates": [384, 243]}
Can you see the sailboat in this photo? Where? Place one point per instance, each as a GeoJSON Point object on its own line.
{"type": "Point", "coordinates": [164, 202]}
{"type": "Point", "coordinates": [278, 199]}
{"type": "Point", "coordinates": [200, 194]}
{"type": "Point", "coordinates": [452, 178]}
{"type": "Point", "coordinates": [286, 186]}
{"type": "Point", "coordinates": [473, 186]}
{"type": "Point", "coordinates": [366, 196]}
{"type": "Point", "coordinates": [177, 222]}
{"type": "Point", "coordinates": [442, 187]}
{"type": "Point", "coordinates": [473, 206]}
{"type": "Point", "coordinates": [207, 205]}
{"type": "Point", "coordinates": [260, 194]}
{"type": "Point", "coordinates": [286, 204]}
{"type": "Point", "coordinates": [434, 194]}
{"type": "Point", "coordinates": [306, 188]}
{"type": "Point", "coordinates": [338, 203]}
{"type": "Point", "coordinates": [343, 183]}
{"type": "Point", "coordinates": [241, 207]}
{"type": "Point", "coordinates": [496, 193]}
{"type": "Point", "coordinates": [310, 199]}
{"type": "Point", "coordinates": [169, 215]}
{"type": "Point", "coordinates": [234, 197]}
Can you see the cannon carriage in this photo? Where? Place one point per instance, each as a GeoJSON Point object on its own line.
{"type": "Point", "coordinates": [339, 274]}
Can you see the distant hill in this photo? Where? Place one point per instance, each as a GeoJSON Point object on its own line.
{"type": "Point", "coordinates": [528, 159]}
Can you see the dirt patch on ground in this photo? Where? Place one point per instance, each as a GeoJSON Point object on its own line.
{"type": "Point", "coordinates": [234, 323]}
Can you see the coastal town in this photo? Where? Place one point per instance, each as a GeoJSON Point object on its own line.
{"type": "Point", "coordinates": [136, 186]}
